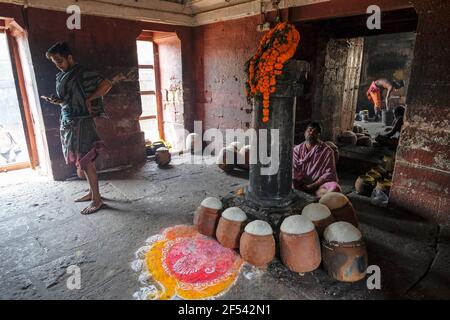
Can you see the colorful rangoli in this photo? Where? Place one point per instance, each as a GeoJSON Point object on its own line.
{"type": "Point", "coordinates": [182, 263]}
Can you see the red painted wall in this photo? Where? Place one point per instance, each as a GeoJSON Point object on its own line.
{"type": "Point", "coordinates": [108, 45]}
{"type": "Point", "coordinates": [222, 50]}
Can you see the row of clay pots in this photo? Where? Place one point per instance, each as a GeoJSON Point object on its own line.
{"type": "Point", "coordinates": [359, 138]}
{"type": "Point", "coordinates": [342, 251]}
{"type": "Point", "coordinates": [226, 226]}
{"type": "Point", "coordinates": [375, 178]}
{"type": "Point", "coordinates": [300, 247]}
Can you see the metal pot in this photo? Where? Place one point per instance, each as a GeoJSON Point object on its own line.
{"type": "Point", "coordinates": [364, 185]}
{"type": "Point", "coordinates": [374, 174]}
{"type": "Point", "coordinates": [384, 186]}
{"type": "Point", "coordinates": [389, 163]}
{"type": "Point", "coordinates": [345, 262]}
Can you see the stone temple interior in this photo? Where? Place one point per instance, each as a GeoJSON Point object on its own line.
{"type": "Point", "coordinates": [172, 199]}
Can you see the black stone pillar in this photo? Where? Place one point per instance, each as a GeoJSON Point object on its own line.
{"type": "Point", "coordinates": [275, 191]}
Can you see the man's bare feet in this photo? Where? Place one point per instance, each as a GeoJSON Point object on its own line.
{"type": "Point", "coordinates": [93, 207]}
{"type": "Point", "coordinates": [86, 197]}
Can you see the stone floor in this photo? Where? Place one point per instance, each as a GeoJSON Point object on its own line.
{"type": "Point", "coordinates": [42, 233]}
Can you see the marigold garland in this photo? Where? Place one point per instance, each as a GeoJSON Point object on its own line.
{"type": "Point", "coordinates": [276, 47]}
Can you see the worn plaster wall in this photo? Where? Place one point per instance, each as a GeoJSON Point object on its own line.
{"type": "Point", "coordinates": [222, 50]}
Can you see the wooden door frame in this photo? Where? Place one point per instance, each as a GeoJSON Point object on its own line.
{"type": "Point", "coordinates": [148, 36]}
{"type": "Point", "coordinates": [13, 32]}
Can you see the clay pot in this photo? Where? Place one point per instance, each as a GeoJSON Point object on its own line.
{"type": "Point", "coordinates": [340, 207]}
{"type": "Point", "coordinates": [389, 162]}
{"type": "Point", "coordinates": [243, 158]}
{"type": "Point", "coordinates": [374, 174]}
{"type": "Point", "coordinates": [299, 244]}
{"type": "Point", "coordinates": [382, 171]}
{"type": "Point", "coordinates": [163, 157]}
{"type": "Point", "coordinates": [364, 141]}
{"type": "Point", "coordinates": [230, 228]}
{"type": "Point", "coordinates": [257, 244]}
{"type": "Point", "coordinates": [320, 216]}
{"type": "Point", "coordinates": [335, 150]}
{"type": "Point", "coordinates": [227, 159]}
{"type": "Point", "coordinates": [190, 143]}
{"type": "Point", "coordinates": [357, 129]}
{"type": "Point", "coordinates": [348, 137]}
{"type": "Point", "coordinates": [364, 185]}
{"type": "Point", "coordinates": [385, 186]}
{"type": "Point", "coordinates": [344, 253]}
{"type": "Point", "coordinates": [207, 216]}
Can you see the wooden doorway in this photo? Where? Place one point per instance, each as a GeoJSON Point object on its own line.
{"type": "Point", "coordinates": [151, 119]}
{"type": "Point", "coordinates": [351, 83]}
{"type": "Point", "coordinates": [17, 134]}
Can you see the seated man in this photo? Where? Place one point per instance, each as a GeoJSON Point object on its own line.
{"type": "Point", "coordinates": [314, 167]}
{"type": "Point", "coordinates": [391, 138]}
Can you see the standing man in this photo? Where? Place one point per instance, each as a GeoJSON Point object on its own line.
{"type": "Point", "coordinates": [79, 93]}
{"type": "Point", "coordinates": [314, 167]}
{"type": "Point", "coordinates": [375, 91]}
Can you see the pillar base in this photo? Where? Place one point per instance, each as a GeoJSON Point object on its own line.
{"type": "Point", "coordinates": [274, 203]}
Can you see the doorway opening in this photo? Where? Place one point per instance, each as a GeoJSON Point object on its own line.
{"type": "Point", "coordinates": [22, 134]}
{"type": "Point", "coordinates": [346, 57]}
{"type": "Point", "coordinates": [151, 118]}
{"type": "Point", "coordinates": [13, 145]}
{"type": "Point", "coordinates": [161, 88]}
{"type": "Point", "coordinates": [385, 57]}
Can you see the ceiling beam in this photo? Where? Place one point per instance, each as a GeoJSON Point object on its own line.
{"type": "Point", "coordinates": [193, 13]}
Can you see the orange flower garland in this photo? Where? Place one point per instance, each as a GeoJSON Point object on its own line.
{"type": "Point", "coordinates": [276, 47]}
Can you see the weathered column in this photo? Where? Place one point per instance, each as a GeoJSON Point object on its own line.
{"type": "Point", "coordinates": [275, 191]}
